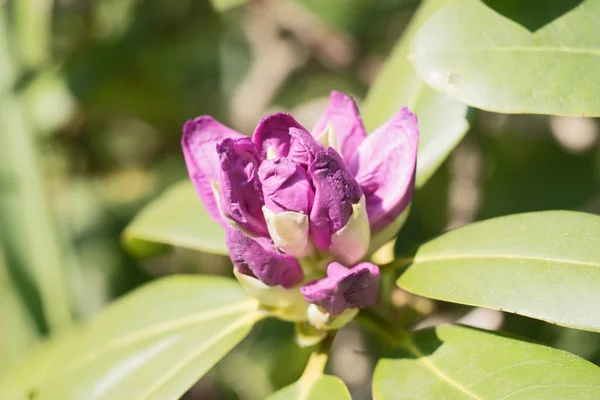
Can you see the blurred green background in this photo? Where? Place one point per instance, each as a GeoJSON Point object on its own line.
{"type": "Point", "coordinates": [93, 95]}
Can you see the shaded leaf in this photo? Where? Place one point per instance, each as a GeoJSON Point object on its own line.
{"type": "Point", "coordinates": [453, 363]}
{"type": "Point", "coordinates": [152, 344]}
{"type": "Point", "coordinates": [543, 265]}
{"type": "Point", "coordinates": [17, 330]}
{"type": "Point", "coordinates": [176, 218]}
{"type": "Point", "coordinates": [442, 119]}
{"type": "Point", "coordinates": [478, 55]}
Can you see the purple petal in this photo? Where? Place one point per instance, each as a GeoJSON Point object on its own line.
{"type": "Point", "coordinates": [343, 115]}
{"type": "Point", "coordinates": [303, 148]}
{"type": "Point", "coordinates": [285, 186]}
{"type": "Point", "coordinates": [335, 192]}
{"type": "Point", "coordinates": [384, 167]}
{"type": "Point", "coordinates": [258, 258]}
{"type": "Point", "coordinates": [199, 141]}
{"type": "Point", "coordinates": [239, 186]}
{"type": "Point", "coordinates": [344, 288]}
{"type": "Point", "coordinates": [274, 131]}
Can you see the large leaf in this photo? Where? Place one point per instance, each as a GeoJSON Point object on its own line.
{"type": "Point", "coordinates": [176, 218]}
{"type": "Point", "coordinates": [17, 330]}
{"type": "Point", "coordinates": [325, 387]}
{"type": "Point", "coordinates": [502, 56]}
{"type": "Point", "coordinates": [152, 344]}
{"type": "Point", "coordinates": [456, 363]}
{"type": "Point", "coordinates": [544, 265]}
{"type": "Point", "coordinates": [35, 256]}
{"type": "Point", "coordinates": [442, 119]}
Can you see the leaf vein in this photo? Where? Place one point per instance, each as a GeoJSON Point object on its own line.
{"type": "Point", "coordinates": [514, 49]}
{"type": "Point", "coordinates": [158, 329]}
{"type": "Point", "coordinates": [437, 371]}
{"type": "Point", "coordinates": [419, 259]}
{"type": "Point", "coordinates": [244, 320]}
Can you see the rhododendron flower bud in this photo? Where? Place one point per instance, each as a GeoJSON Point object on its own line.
{"type": "Point", "coordinates": [256, 257]}
{"type": "Point", "coordinates": [344, 288]}
{"type": "Point", "coordinates": [293, 201]}
{"type": "Point", "coordinates": [239, 187]}
{"type": "Point", "coordinates": [288, 198]}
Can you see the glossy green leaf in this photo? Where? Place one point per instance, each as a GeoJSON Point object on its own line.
{"type": "Point", "coordinates": [442, 119]}
{"type": "Point", "coordinates": [152, 344]}
{"type": "Point", "coordinates": [176, 218]}
{"type": "Point", "coordinates": [514, 58]}
{"type": "Point", "coordinates": [544, 265]}
{"type": "Point", "coordinates": [325, 387]}
{"type": "Point", "coordinates": [456, 363]}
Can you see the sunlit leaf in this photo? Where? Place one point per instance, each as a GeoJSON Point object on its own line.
{"type": "Point", "coordinates": [513, 58]}
{"type": "Point", "coordinates": [442, 119]}
{"type": "Point", "coordinates": [325, 387]}
{"type": "Point", "coordinates": [176, 218]}
{"type": "Point", "coordinates": [543, 265]}
{"type": "Point", "coordinates": [456, 363]}
{"type": "Point", "coordinates": [152, 344]}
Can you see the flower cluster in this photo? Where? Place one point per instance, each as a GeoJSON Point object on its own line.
{"type": "Point", "coordinates": [302, 209]}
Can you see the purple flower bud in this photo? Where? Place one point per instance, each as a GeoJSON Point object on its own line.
{"type": "Point", "coordinates": [336, 191]}
{"type": "Point", "coordinates": [303, 148]}
{"type": "Point", "coordinates": [288, 191]}
{"type": "Point", "coordinates": [285, 186]}
{"type": "Point", "coordinates": [385, 166]}
{"type": "Point", "coordinates": [241, 197]}
{"type": "Point", "coordinates": [273, 131]}
{"type": "Point", "coordinates": [343, 116]}
{"type": "Point", "coordinates": [200, 136]}
{"type": "Point", "coordinates": [258, 258]}
{"type": "Point", "coordinates": [344, 288]}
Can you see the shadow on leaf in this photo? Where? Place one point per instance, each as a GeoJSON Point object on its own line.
{"type": "Point", "coordinates": [532, 14]}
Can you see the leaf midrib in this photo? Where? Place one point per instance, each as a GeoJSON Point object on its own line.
{"type": "Point", "coordinates": [232, 328]}
{"type": "Point", "coordinates": [429, 364]}
{"type": "Point", "coordinates": [423, 259]}
{"type": "Point", "coordinates": [155, 330]}
{"type": "Point", "coordinates": [511, 49]}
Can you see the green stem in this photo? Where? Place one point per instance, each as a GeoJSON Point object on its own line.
{"type": "Point", "coordinates": [318, 360]}
{"type": "Point", "coordinates": [397, 263]}
{"type": "Point", "coordinates": [378, 325]}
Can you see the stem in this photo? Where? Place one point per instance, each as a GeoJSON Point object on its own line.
{"type": "Point", "coordinates": [384, 329]}
{"type": "Point", "coordinates": [397, 263]}
{"type": "Point", "coordinates": [318, 360]}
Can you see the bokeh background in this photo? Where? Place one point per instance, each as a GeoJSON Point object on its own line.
{"type": "Point", "coordinates": [93, 95]}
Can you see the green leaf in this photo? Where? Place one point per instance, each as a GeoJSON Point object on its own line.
{"type": "Point", "coordinates": [152, 344]}
{"type": "Point", "coordinates": [17, 330]}
{"type": "Point", "coordinates": [475, 53]}
{"type": "Point", "coordinates": [442, 119]}
{"type": "Point", "coordinates": [224, 5]}
{"type": "Point", "coordinates": [325, 387]}
{"type": "Point", "coordinates": [176, 218]}
{"type": "Point", "coordinates": [35, 255]}
{"type": "Point", "coordinates": [544, 265]}
{"type": "Point", "coordinates": [455, 363]}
